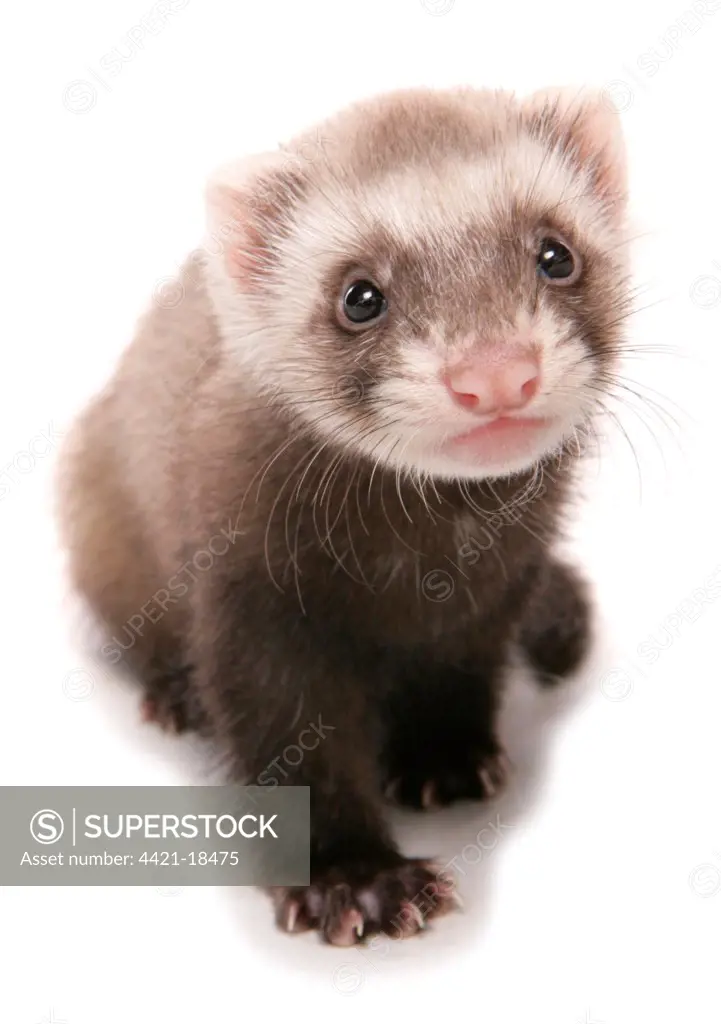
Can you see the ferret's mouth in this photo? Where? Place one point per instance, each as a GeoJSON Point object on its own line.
{"type": "Point", "coordinates": [505, 436]}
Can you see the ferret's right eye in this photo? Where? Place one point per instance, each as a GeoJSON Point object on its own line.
{"type": "Point", "coordinates": [362, 303]}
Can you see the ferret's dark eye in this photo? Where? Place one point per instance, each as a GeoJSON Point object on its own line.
{"type": "Point", "coordinates": [363, 302]}
{"type": "Point", "coordinates": [557, 263]}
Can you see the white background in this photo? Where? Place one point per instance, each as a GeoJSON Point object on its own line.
{"type": "Point", "coordinates": [600, 899]}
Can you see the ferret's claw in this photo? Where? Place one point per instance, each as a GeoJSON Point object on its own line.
{"type": "Point", "coordinates": [487, 782]}
{"type": "Point", "coordinates": [429, 795]}
{"type": "Point", "coordinates": [413, 917]}
{"type": "Point", "coordinates": [399, 902]}
{"type": "Point", "coordinates": [291, 917]}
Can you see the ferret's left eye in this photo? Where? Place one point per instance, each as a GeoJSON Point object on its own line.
{"type": "Point", "coordinates": [557, 263]}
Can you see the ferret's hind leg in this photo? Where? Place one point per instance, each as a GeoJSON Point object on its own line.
{"type": "Point", "coordinates": [555, 632]}
{"type": "Point", "coordinates": [170, 700]}
{"type": "Point", "coordinates": [110, 563]}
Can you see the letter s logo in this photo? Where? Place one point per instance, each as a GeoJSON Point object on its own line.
{"type": "Point", "coordinates": [46, 827]}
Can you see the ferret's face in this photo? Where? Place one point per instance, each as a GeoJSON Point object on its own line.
{"type": "Point", "coordinates": [454, 316]}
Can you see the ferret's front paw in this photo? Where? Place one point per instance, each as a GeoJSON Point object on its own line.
{"type": "Point", "coordinates": [348, 903]}
{"type": "Point", "coordinates": [460, 774]}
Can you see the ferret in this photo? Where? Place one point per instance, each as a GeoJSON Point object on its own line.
{"type": "Point", "coordinates": [329, 472]}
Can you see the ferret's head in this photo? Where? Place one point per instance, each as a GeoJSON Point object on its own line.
{"type": "Point", "coordinates": [433, 280]}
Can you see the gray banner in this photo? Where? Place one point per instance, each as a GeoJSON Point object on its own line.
{"type": "Point", "coordinates": [155, 835]}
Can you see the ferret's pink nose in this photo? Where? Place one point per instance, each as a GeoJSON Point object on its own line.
{"type": "Point", "coordinates": [495, 386]}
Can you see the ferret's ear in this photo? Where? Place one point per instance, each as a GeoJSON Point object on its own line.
{"type": "Point", "coordinates": [249, 208]}
{"type": "Point", "coordinates": [586, 122]}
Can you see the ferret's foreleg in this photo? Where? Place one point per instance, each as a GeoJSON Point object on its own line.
{"type": "Point", "coordinates": [268, 681]}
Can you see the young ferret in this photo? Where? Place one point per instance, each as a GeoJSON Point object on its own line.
{"type": "Point", "coordinates": [328, 473]}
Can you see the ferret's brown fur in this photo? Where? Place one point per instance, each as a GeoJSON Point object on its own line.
{"type": "Point", "coordinates": [346, 569]}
